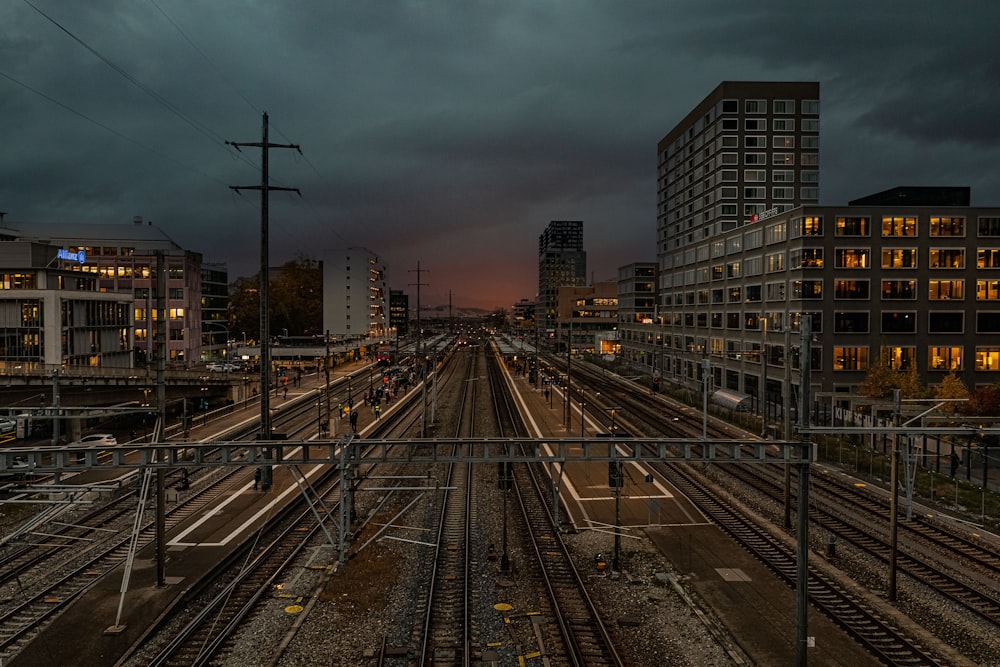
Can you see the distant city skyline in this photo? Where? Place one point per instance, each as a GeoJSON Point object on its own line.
{"type": "Point", "coordinates": [451, 134]}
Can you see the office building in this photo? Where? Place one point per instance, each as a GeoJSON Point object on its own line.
{"type": "Point", "coordinates": [53, 316]}
{"type": "Point", "coordinates": [355, 295]}
{"type": "Point", "coordinates": [562, 261]}
{"type": "Point", "coordinates": [123, 259]}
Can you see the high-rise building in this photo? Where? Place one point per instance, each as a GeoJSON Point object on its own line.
{"type": "Point", "coordinates": [562, 261]}
{"type": "Point", "coordinates": [399, 312]}
{"type": "Point", "coordinates": [903, 278]}
{"type": "Point", "coordinates": [355, 295]}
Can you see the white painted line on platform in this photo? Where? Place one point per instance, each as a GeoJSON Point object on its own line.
{"type": "Point", "coordinates": [239, 530]}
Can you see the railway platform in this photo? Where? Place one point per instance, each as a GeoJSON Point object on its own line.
{"type": "Point", "coordinates": [730, 588]}
{"type": "Point", "coordinates": [86, 634]}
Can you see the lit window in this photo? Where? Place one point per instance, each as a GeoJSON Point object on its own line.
{"type": "Point", "coordinates": [850, 358]}
{"type": "Point", "coordinates": [899, 226]}
{"type": "Point", "coordinates": [899, 258]}
{"type": "Point", "coordinates": [944, 358]}
{"type": "Point", "coordinates": [852, 258]}
{"type": "Point", "coordinates": [946, 290]}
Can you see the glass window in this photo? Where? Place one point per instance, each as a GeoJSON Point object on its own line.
{"type": "Point", "coordinates": [810, 107]}
{"type": "Point", "coordinates": [805, 258]}
{"type": "Point", "coordinates": [852, 258]}
{"type": "Point", "coordinates": [775, 262]}
{"type": "Point", "coordinates": [755, 141]}
{"type": "Point", "coordinates": [807, 289]}
{"type": "Point", "coordinates": [755, 158]}
{"type": "Point", "coordinates": [755, 125]}
{"type": "Point", "coordinates": [988, 258]}
{"type": "Point", "coordinates": [755, 106]}
{"type": "Point", "coordinates": [775, 291]}
{"type": "Point", "coordinates": [809, 159]}
{"type": "Point", "coordinates": [947, 226]}
{"type": "Point", "coordinates": [782, 158]}
{"type": "Point", "coordinates": [782, 142]}
{"type": "Point", "coordinates": [850, 358]}
{"type": "Point", "coordinates": [810, 125]}
{"type": "Point", "coordinates": [899, 226]}
{"type": "Point", "coordinates": [900, 358]}
{"type": "Point", "coordinates": [850, 322]}
{"type": "Point", "coordinates": [853, 226]}
{"type": "Point", "coordinates": [817, 321]}
{"type": "Point", "coordinates": [944, 358]}
{"type": "Point", "coordinates": [987, 358]}
{"type": "Point", "coordinates": [946, 258]}
{"type": "Point", "coordinates": [783, 176]}
{"type": "Point", "coordinates": [783, 193]}
{"type": "Point", "coordinates": [776, 233]}
{"type": "Point", "coordinates": [945, 290]}
{"type": "Point", "coordinates": [755, 193]}
{"type": "Point", "coordinates": [783, 106]}
{"type": "Point", "coordinates": [783, 124]}
{"type": "Point", "coordinates": [945, 322]}
{"type": "Point", "coordinates": [899, 258]}
{"type": "Point", "coordinates": [989, 226]}
{"type": "Point", "coordinates": [899, 322]}
{"type": "Point", "coordinates": [988, 321]}
{"type": "Point", "coordinates": [810, 142]}
{"type": "Point", "coordinates": [755, 175]}
{"type": "Point", "coordinates": [988, 290]}
{"type": "Point", "coordinates": [851, 289]}
{"type": "Point", "coordinates": [899, 289]}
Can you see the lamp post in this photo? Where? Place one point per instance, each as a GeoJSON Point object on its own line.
{"type": "Point", "coordinates": [763, 377]}
{"type": "Point", "coordinates": [617, 479]}
{"type": "Point", "coordinates": [226, 329]}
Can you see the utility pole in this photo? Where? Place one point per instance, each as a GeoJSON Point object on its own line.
{"type": "Point", "coordinates": [420, 339]}
{"type": "Point", "coordinates": [265, 333]}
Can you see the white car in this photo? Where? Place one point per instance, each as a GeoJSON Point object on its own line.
{"type": "Point", "coordinates": [221, 367]}
{"type": "Point", "coordinates": [18, 470]}
{"type": "Point", "coordinates": [7, 425]}
{"type": "Point", "coordinates": [101, 439]}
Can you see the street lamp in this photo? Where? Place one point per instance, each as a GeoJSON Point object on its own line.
{"type": "Point", "coordinates": [226, 329]}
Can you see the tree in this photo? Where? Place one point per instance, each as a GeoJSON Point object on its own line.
{"type": "Point", "coordinates": [951, 387]}
{"type": "Point", "coordinates": [296, 300]}
{"type": "Point", "coordinates": [880, 379]}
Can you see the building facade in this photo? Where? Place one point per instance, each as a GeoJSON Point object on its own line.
{"type": "Point", "coordinates": [587, 321]}
{"type": "Point", "coordinates": [123, 259]}
{"type": "Point", "coordinates": [399, 312]}
{"type": "Point", "coordinates": [562, 261]}
{"type": "Point", "coordinates": [914, 286]}
{"type": "Point", "coordinates": [355, 295]}
{"type": "Point", "coordinates": [217, 340]}
{"type": "Point", "coordinates": [52, 316]}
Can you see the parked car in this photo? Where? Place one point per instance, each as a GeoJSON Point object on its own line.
{"type": "Point", "coordinates": [222, 367]}
{"type": "Point", "coordinates": [7, 425]}
{"type": "Point", "coordinates": [101, 439]}
{"type": "Point", "coordinates": [18, 470]}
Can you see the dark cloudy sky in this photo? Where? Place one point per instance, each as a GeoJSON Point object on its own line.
{"type": "Point", "coordinates": [451, 133]}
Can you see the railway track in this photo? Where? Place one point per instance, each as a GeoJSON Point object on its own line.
{"type": "Point", "coordinates": [888, 642]}
{"type": "Point", "coordinates": [446, 634]}
{"type": "Point", "coordinates": [586, 639]}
